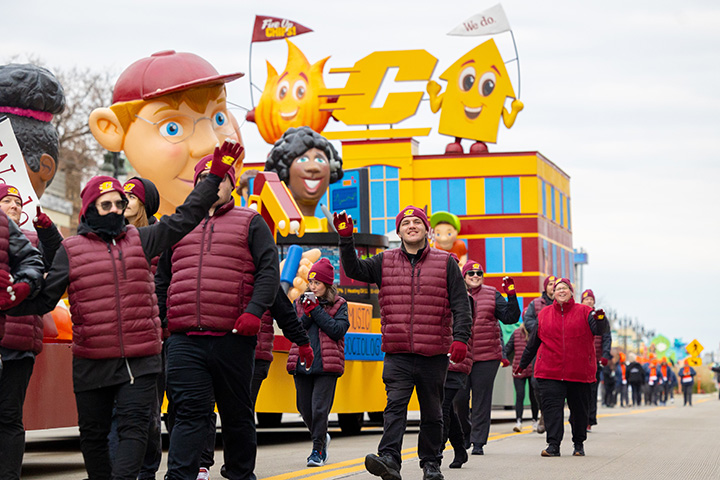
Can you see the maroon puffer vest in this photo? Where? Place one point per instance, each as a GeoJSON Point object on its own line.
{"type": "Point", "coordinates": [466, 365]}
{"type": "Point", "coordinates": [265, 338]}
{"type": "Point", "coordinates": [415, 314]}
{"type": "Point", "coordinates": [212, 273]}
{"type": "Point", "coordinates": [331, 352]}
{"type": "Point", "coordinates": [112, 297]}
{"type": "Point", "coordinates": [520, 341]}
{"type": "Point", "coordinates": [24, 333]}
{"type": "Point", "coordinates": [486, 328]}
{"type": "Point", "coordinates": [539, 304]}
{"type": "Point", "coordinates": [598, 347]}
{"type": "Point", "coordinates": [567, 351]}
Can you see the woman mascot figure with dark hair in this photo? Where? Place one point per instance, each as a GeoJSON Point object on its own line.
{"type": "Point", "coordinates": [307, 163]}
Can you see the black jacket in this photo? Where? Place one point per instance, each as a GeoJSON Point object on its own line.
{"type": "Point", "coordinates": [635, 373]}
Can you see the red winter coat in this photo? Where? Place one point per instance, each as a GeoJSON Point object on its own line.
{"type": "Point", "coordinates": [212, 273]}
{"type": "Point", "coordinates": [567, 349]}
{"type": "Point", "coordinates": [118, 318]}
{"type": "Point", "coordinates": [415, 314]}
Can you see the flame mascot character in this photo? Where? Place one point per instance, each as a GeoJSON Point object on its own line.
{"type": "Point", "coordinates": [169, 111]}
{"type": "Point", "coordinates": [474, 99]}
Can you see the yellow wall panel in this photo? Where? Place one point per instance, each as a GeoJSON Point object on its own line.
{"type": "Point", "coordinates": [475, 189]}
{"type": "Point", "coordinates": [529, 195]}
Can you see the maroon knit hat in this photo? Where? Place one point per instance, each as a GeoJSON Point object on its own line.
{"type": "Point", "coordinates": [204, 166]}
{"type": "Point", "coordinates": [322, 271]}
{"type": "Point", "coordinates": [411, 211]}
{"type": "Point", "coordinates": [96, 187]}
{"type": "Point", "coordinates": [587, 293]}
{"type": "Point", "coordinates": [472, 265]}
{"type": "Point", "coordinates": [9, 190]}
{"type": "Point", "coordinates": [566, 281]}
{"type": "Point", "coordinates": [136, 187]}
{"type": "Point", "coordinates": [549, 279]}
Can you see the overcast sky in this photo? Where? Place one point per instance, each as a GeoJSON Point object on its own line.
{"type": "Point", "coordinates": [623, 96]}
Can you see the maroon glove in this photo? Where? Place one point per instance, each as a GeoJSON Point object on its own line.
{"type": "Point", "coordinates": [599, 314]}
{"type": "Point", "coordinates": [458, 351]}
{"type": "Point", "coordinates": [309, 305]}
{"type": "Point", "coordinates": [604, 361]}
{"type": "Point", "coordinates": [343, 224]}
{"type": "Point", "coordinates": [42, 220]}
{"type": "Point", "coordinates": [13, 295]}
{"type": "Point", "coordinates": [504, 362]}
{"type": "Point", "coordinates": [224, 157]}
{"type": "Point", "coordinates": [508, 285]}
{"type": "Point", "coordinates": [5, 280]}
{"type": "Point", "coordinates": [517, 371]}
{"type": "Point", "coordinates": [305, 354]}
{"type": "Point", "coordinates": [247, 324]}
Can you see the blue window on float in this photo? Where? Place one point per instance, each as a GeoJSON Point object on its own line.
{"type": "Point", "coordinates": [563, 256]}
{"type": "Point", "coordinates": [457, 196]}
{"type": "Point", "coordinates": [384, 198]}
{"type": "Point", "coordinates": [439, 196]}
{"type": "Point", "coordinates": [493, 196]}
{"type": "Point", "coordinates": [562, 210]}
{"type": "Point", "coordinates": [554, 260]}
{"type": "Point", "coordinates": [511, 194]}
{"type": "Point", "coordinates": [494, 255]}
{"type": "Point", "coordinates": [544, 198]}
{"type": "Point", "coordinates": [513, 254]}
{"type": "Point", "coordinates": [569, 225]}
{"type": "Point", "coordinates": [552, 203]}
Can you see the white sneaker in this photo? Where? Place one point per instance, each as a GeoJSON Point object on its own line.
{"type": "Point", "coordinates": [518, 426]}
{"type": "Point", "coordinates": [534, 425]}
{"type": "Point", "coordinates": [203, 474]}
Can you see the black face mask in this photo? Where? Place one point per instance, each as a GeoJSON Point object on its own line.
{"type": "Point", "coordinates": [108, 226]}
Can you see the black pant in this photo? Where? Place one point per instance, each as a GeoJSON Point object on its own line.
{"type": "Point", "coordinates": [452, 429]}
{"type": "Point", "coordinates": [553, 394]}
{"type": "Point", "coordinates": [636, 393]}
{"type": "Point", "coordinates": [461, 404]}
{"type": "Point", "coordinates": [609, 394]}
{"type": "Point", "coordinates": [201, 370]}
{"type": "Point", "coordinates": [13, 385]}
{"type": "Point", "coordinates": [260, 373]}
{"type": "Point", "coordinates": [687, 393]}
{"type": "Point", "coordinates": [592, 414]}
{"type": "Point", "coordinates": [401, 373]}
{"type": "Point", "coordinates": [482, 378]}
{"type": "Point", "coordinates": [133, 403]}
{"type": "Point", "coordinates": [520, 397]}
{"type": "Point", "coordinates": [315, 395]}
{"type": "Point", "coordinates": [622, 390]}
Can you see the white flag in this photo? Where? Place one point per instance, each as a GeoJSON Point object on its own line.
{"type": "Point", "coordinates": [489, 22]}
{"type": "Point", "coordinates": [13, 171]}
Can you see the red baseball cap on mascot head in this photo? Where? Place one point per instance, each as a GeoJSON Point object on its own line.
{"type": "Point", "coordinates": [166, 72]}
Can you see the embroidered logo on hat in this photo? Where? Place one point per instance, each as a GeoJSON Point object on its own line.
{"type": "Point", "coordinates": [551, 279]}
{"type": "Point", "coordinates": [312, 275]}
{"type": "Point", "coordinates": [13, 191]}
{"type": "Point", "coordinates": [476, 266]}
{"type": "Point", "coordinates": [208, 165]}
{"type": "Point", "coordinates": [128, 187]}
{"type": "Point", "coordinates": [409, 212]}
{"type": "Point", "coordinates": [585, 294]}
{"type": "Point", "coordinates": [106, 187]}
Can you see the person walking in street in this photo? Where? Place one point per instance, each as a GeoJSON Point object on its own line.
{"type": "Point", "coordinates": [20, 337]}
{"type": "Point", "coordinates": [217, 282]}
{"type": "Point", "coordinates": [565, 365]}
{"type": "Point", "coordinates": [603, 344]}
{"type": "Point", "coordinates": [324, 314]}
{"type": "Point", "coordinates": [621, 376]}
{"type": "Point", "coordinates": [425, 315]}
{"type": "Point", "coordinates": [116, 330]}
{"type": "Point", "coordinates": [636, 379]}
{"type": "Point", "coordinates": [516, 346]}
{"type": "Point", "coordinates": [654, 382]}
{"type": "Point", "coordinates": [687, 380]}
{"type": "Point", "coordinates": [490, 307]}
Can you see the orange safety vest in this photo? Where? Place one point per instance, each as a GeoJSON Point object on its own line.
{"type": "Point", "coordinates": [622, 369]}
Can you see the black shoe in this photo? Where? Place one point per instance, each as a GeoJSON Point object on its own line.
{"type": "Point", "coordinates": [461, 456]}
{"type": "Point", "coordinates": [578, 450]}
{"type": "Point", "coordinates": [551, 451]}
{"type": "Point", "coordinates": [468, 444]}
{"type": "Point", "coordinates": [478, 450]}
{"type": "Point", "coordinates": [431, 471]}
{"type": "Point", "coordinates": [383, 466]}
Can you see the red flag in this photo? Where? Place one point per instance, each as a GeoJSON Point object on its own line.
{"type": "Point", "coordinates": [273, 28]}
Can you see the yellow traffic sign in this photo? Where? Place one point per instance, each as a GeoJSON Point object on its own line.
{"type": "Point", "coordinates": [694, 348]}
{"type": "Point", "coordinates": [694, 361]}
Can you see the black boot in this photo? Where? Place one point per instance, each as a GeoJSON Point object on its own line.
{"type": "Point", "coordinates": [431, 471]}
{"type": "Point", "coordinates": [383, 466]}
{"type": "Point", "coordinates": [461, 456]}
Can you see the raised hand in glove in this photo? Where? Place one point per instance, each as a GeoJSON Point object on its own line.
{"type": "Point", "coordinates": [13, 295]}
{"type": "Point", "coordinates": [41, 220]}
{"type": "Point", "coordinates": [504, 362]}
{"type": "Point", "coordinates": [225, 156]}
{"type": "Point", "coordinates": [458, 351]}
{"type": "Point", "coordinates": [309, 304]}
{"type": "Point", "coordinates": [306, 355]}
{"type": "Point", "coordinates": [508, 285]}
{"type": "Point", "coordinates": [247, 324]}
{"type": "Point", "coordinates": [343, 224]}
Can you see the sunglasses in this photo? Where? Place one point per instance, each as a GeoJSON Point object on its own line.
{"type": "Point", "coordinates": [472, 273]}
{"type": "Point", "coordinates": [106, 206]}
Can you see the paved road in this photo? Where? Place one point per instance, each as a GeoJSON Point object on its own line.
{"type": "Point", "coordinates": [644, 443]}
